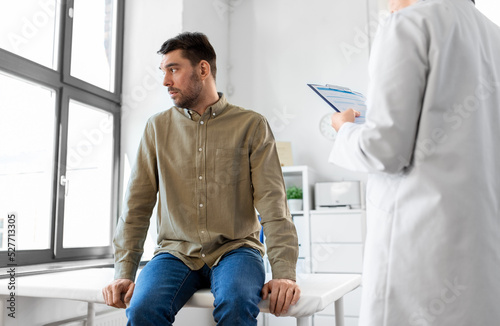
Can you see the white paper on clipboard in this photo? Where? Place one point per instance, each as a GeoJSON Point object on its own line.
{"type": "Point", "coordinates": [341, 99]}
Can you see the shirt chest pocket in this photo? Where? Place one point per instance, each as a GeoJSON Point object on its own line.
{"type": "Point", "coordinates": [231, 165]}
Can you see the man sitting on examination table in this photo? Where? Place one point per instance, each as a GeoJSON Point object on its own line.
{"type": "Point", "coordinates": [431, 146]}
{"type": "Point", "coordinates": [210, 163]}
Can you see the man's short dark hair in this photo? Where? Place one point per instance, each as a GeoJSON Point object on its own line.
{"type": "Point", "coordinates": [195, 47]}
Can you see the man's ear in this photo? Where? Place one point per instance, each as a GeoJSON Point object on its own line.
{"type": "Point", "coordinates": [204, 69]}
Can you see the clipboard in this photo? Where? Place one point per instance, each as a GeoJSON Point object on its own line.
{"type": "Point", "coordinates": [341, 98]}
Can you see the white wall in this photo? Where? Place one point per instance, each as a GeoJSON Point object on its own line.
{"type": "Point", "coordinates": [279, 46]}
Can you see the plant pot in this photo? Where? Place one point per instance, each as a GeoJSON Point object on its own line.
{"type": "Point", "coordinates": [295, 204]}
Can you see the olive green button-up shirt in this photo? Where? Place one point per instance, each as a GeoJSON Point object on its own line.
{"type": "Point", "coordinates": [208, 173]}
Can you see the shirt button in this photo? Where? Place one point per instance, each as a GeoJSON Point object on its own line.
{"type": "Point", "coordinates": [200, 149]}
{"type": "Point", "coordinates": [202, 231]}
{"type": "Point", "coordinates": [201, 205]}
{"type": "Point", "coordinates": [213, 114]}
{"type": "Point", "coordinates": [200, 177]}
{"type": "Point", "coordinates": [203, 255]}
{"type": "Point", "coordinates": [201, 122]}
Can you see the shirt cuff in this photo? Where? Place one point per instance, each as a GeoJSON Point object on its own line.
{"type": "Point", "coordinates": [125, 269]}
{"type": "Point", "coordinates": [284, 270]}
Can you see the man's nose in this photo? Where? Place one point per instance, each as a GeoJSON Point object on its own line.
{"type": "Point", "coordinates": [167, 81]}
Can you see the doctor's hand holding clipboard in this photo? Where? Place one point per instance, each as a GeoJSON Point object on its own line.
{"type": "Point", "coordinates": [339, 118]}
{"type": "Point", "coordinates": [349, 105]}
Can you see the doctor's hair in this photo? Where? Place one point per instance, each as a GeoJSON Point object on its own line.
{"type": "Point", "coordinates": [195, 47]}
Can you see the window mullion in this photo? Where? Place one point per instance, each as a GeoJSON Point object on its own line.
{"type": "Point", "coordinates": [61, 172]}
{"type": "Point", "coordinates": [29, 70]}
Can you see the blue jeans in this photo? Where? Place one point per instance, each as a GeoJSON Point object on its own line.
{"type": "Point", "coordinates": [165, 284]}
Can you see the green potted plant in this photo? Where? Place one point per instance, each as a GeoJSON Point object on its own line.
{"type": "Point", "coordinates": [294, 196]}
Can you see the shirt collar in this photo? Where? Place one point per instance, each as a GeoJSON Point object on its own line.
{"type": "Point", "coordinates": [219, 106]}
{"type": "Point", "coordinates": [214, 110]}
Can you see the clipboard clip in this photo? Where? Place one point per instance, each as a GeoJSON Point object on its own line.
{"type": "Point", "coordinates": [338, 87]}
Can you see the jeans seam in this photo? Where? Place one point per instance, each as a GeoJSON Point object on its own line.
{"type": "Point", "coordinates": [213, 285]}
{"type": "Point", "coordinates": [177, 292]}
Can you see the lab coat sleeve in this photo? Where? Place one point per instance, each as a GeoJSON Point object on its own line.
{"type": "Point", "coordinates": [398, 74]}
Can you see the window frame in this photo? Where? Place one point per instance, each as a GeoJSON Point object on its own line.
{"type": "Point", "coordinates": [65, 60]}
{"type": "Point", "coordinates": [66, 88]}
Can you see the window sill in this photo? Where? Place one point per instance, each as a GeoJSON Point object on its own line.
{"type": "Point", "coordinates": [56, 267]}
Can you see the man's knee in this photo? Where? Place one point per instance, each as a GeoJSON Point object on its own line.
{"type": "Point", "coordinates": [238, 302]}
{"type": "Point", "coordinates": [146, 312]}
{"type": "Point", "coordinates": [236, 309]}
{"type": "Point", "coordinates": [240, 298]}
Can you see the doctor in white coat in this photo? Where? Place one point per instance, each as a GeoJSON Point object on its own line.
{"type": "Point", "coordinates": [431, 146]}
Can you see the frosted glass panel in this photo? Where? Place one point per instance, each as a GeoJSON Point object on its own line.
{"type": "Point", "coordinates": [89, 175]}
{"type": "Point", "coordinates": [28, 28]}
{"type": "Point", "coordinates": [27, 138]}
{"type": "Point", "coordinates": [93, 46]}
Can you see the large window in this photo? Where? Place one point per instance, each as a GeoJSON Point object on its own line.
{"type": "Point", "coordinates": [60, 77]}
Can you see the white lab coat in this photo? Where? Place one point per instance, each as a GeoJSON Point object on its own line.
{"type": "Point", "coordinates": [431, 147]}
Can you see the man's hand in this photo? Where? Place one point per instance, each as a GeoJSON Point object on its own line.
{"type": "Point", "coordinates": [118, 293]}
{"type": "Point", "coordinates": [338, 119]}
{"type": "Point", "coordinates": [283, 294]}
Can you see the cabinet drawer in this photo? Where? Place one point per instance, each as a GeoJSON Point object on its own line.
{"type": "Point", "coordinates": [336, 258]}
{"type": "Point", "coordinates": [336, 228]}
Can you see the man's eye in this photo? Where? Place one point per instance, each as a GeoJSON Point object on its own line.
{"type": "Point", "coordinates": [172, 70]}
